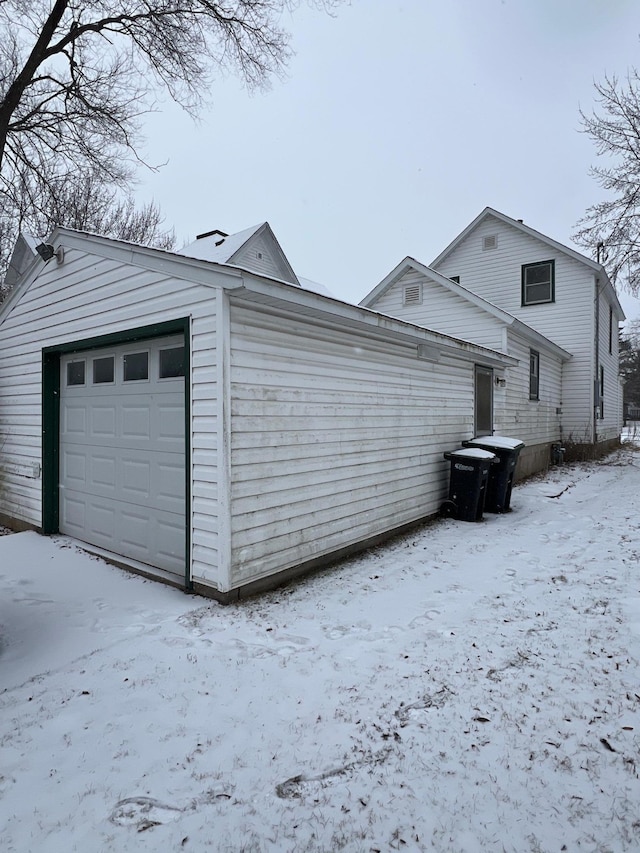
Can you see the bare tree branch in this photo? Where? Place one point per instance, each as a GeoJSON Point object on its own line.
{"type": "Point", "coordinates": [77, 76]}
{"type": "Point", "coordinates": [614, 224]}
{"type": "Point", "coordinates": [83, 202]}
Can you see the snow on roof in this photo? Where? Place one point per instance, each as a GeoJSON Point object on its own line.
{"type": "Point", "coordinates": [316, 287]}
{"type": "Point", "coordinates": [30, 240]}
{"type": "Point", "coordinates": [21, 258]}
{"type": "Point", "coordinates": [217, 248]}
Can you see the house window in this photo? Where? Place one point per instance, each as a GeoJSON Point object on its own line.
{"type": "Point", "coordinates": [601, 389]}
{"type": "Point", "coordinates": [136, 366]}
{"type": "Point", "coordinates": [610, 328]}
{"type": "Point", "coordinates": [75, 373]}
{"type": "Point", "coordinates": [538, 283]}
{"type": "Point", "coordinates": [534, 375]}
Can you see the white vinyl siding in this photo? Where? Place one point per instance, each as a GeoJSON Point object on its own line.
{"type": "Point", "coordinates": [532, 421]}
{"type": "Point", "coordinates": [259, 256]}
{"type": "Point", "coordinates": [88, 296]}
{"type": "Point", "coordinates": [335, 437]}
{"type": "Point", "coordinates": [442, 311]}
{"type": "Point", "coordinates": [568, 321]}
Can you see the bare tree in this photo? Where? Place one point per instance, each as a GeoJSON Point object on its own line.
{"type": "Point", "coordinates": [88, 204]}
{"type": "Point", "coordinates": [611, 228]}
{"type": "Point", "coordinates": [630, 367]}
{"type": "Point", "coordinates": [77, 75]}
{"type": "Point", "coordinates": [85, 203]}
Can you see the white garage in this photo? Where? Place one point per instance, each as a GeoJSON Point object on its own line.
{"type": "Point", "coordinates": [122, 450]}
{"type": "Point", "coordinates": [205, 419]}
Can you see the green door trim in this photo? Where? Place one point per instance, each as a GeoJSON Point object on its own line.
{"type": "Point", "coordinates": [51, 417]}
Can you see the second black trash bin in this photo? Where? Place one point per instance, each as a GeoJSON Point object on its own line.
{"type": "Point", "coordinates": [468, 483]}
{"type": "Point", "coordinates": [501, 475]}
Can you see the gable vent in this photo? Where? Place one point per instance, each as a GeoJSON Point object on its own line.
{"type": "Point", "coordinates": [413, 294]}
{"type": "Point", "coordinates": [489, 242]}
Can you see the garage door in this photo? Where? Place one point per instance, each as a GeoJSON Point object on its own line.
{"type": "Point", "coordinates": [122, 451]}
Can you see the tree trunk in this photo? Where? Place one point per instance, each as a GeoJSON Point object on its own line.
{"type": "Point", "coordinates": [16, 90]}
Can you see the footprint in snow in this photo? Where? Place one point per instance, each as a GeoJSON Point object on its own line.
{"type": "Point", "coordinates": [143, 813]}
{"type": "Point", "coordinates": [147, 812]}
{"type": "Point", "coordinates": [337, 632]}
{"type": "Point", "coordinates": [32, 600]}
{"type": "Point", "coordinates": [283, 646]}
{"type": "Point", "coordinates": [426, 618]}
{"type": "Point", "coordinates": [186, 642]}
{"type": "Point", "coordinates": [303, 785]}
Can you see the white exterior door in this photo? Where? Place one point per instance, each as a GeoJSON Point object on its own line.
{"type": "Point", "coordinates": [122, 451]}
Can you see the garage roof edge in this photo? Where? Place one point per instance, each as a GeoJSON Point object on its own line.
{"type": "Point", "coordinates": [256, 289]}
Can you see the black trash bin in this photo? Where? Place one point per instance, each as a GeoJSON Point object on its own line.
{"type": "Point", "coordinates": [468, 483]}
{"type": "Point", "coordinates": [507, 451]}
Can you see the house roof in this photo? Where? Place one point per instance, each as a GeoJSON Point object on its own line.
{"type": "Point", "coordinates": [224, 248]}
{"type": "Point", "coordinates": [597, 268]}
{"type": "Point", "coordinates": [432, 345]}
{"type": "Point", "coordinates": [248, 285]}
{"type": "Point", "coordinates": [219, 248]}
{"type": "Point", "coordinates": [500, 314]}
{"type": "Point", "coordinates": [315, 286]}
{"type": "Point", "coordinates": [23, 255]}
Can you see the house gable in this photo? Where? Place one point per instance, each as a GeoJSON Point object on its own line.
{"type": "Point", "coordinates": [23, 255]}
{"type": "Point", "coordinates": [255, 249]}
{"type": "Point", "coordinates": [422, 296]}
{"type": "Point", "coordinates": [493, 237]}
{"type": "Point", "coordinates": [576, 312]}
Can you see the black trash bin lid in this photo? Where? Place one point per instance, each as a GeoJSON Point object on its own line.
{"type": "Point", "coordinates": [499, 442]}
{"type": "Point", "coordinates": [470, 453]}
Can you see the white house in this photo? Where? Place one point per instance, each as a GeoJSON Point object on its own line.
{"type": "Point", "coordinates": [522, 400]}
{"type": "Point", "coordinates": [552, 289]}
{"type": "Point", "coordinates": [203, 418]}
{"type": "Point", "coordinates": [563, 294]}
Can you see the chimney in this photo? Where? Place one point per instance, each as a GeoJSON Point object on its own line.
{"type": "Point", "coordinates": [215, 233]}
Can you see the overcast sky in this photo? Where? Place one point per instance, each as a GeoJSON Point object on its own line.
{"type": "Point", "coordinates": [399, 121]}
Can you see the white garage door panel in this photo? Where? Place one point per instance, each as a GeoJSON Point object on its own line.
{"type": "Point", "coordinates": [122, 459]}
{"type": "Point", "coordinates": [155, 539]}
{"type": "Point", "coordinates": [132, 476]}
{"type": "Point", "coordinates": [156, 422]}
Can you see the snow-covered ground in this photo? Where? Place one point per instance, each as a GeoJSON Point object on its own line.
{"type": "Point", "coordinates": [468, 687]}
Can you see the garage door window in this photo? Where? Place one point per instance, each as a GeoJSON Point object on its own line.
{"type": "Point", "coordinates": [136, 366]}
{"type": "Point", "coordinates": [75, 373]}
{"type": "Point", "coordinates": [171, 363]}
{"type": "Point", "coordinates": [103, 370]}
